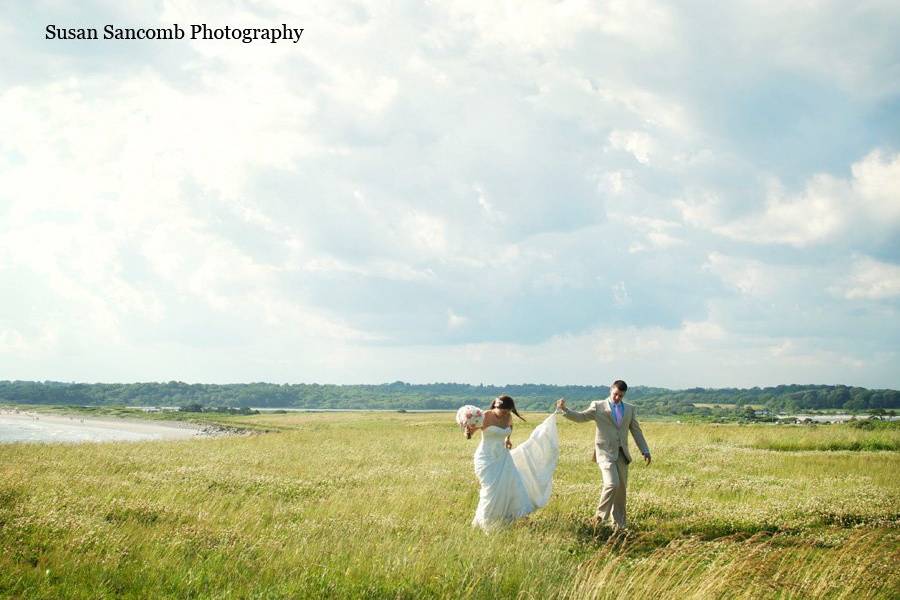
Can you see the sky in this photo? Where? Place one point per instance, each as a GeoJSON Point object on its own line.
{"type": "Point", "coordinates": [678, 194]}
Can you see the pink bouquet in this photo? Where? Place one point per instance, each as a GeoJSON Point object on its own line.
{"type": "Point", "coordinates": [469, 415]}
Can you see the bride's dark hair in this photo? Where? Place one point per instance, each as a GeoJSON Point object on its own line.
{"type": "Point", "coordinates": [507, 403]}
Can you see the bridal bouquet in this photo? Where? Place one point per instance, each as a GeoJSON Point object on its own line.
{"type": "Point", "coordinates": [469, 415]}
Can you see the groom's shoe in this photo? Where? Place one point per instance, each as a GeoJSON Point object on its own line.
{"type": "Point", "coordinates": [601, 527]}
{"type": "Point", "coordinates": [621, 531]}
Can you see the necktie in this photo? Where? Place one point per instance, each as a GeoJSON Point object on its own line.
{"type": "Point", "coordinates": [617, 411]}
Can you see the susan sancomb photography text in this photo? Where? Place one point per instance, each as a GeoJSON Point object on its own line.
{"type": "Point", "coordinates": [200, 31]}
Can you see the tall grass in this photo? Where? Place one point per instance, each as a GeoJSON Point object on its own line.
{"type": "Point", "coordinates": [869, 436]}
{"type": "Point", "coordinates": [755, 568]}
{"type": "Point", "coordinates": [379, 506]}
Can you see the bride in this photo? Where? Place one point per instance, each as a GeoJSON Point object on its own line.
{"type": "Point", "coordinates": [514, 482]}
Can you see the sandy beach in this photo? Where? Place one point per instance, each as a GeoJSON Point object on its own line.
{"type": "Point", "coordinates": [24, 426]}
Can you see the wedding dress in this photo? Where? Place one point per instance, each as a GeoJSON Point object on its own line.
{"type": "Point", "coordinates": [518, 482]}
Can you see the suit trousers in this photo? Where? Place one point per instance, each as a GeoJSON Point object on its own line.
{"type": "Point", "coordinates": [612, 494]}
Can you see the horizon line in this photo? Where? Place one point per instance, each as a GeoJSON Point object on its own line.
{"type": "Point", "coordinates": [482, 384]}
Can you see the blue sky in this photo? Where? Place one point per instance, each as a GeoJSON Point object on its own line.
{"type": "Point", "coordinates": [677, 194]}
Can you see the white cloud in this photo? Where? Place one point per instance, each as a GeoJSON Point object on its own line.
{"type": "Point", "coordinates": [793, 353]}
{"type": "Point", "coordinates": [535, 25]}
{"type": "Point", "coordinates": [814, 216]}
{"type": "Point", "coordinates": [649, 233]}
{"type": "Point", "coordinates": [618, 347]}
{"type": "Point", "coordinates": [871, 280]}
{"type": "Point", "coordinates": [876, 181]}
{"type": "Point", "coordinates": [579, 181]}
{"type": "Point", "coordinates": [637, 143]}
{"type": "Point", "coordinates": [490, 212]}
{"type": "Point", "coordinates": [695, 333]}
{"type": "Point", "coordinates": [426, 232]}
{"type": "Point", "coordinates": [827, 208]}
{"type": "Point", "coordinates": [38, 346]}
{"type": "Point", "coordinates": [455, 321]}
{"type": "Point", "coordinates": [620, 294]}
{"type": "Point", "coordinates": [119, 197]}
{"type": "Point", "coordinates": [532, 25]}
{"type": "Point", "coordinates": [615, 181]}
{"type": "Point", "coordinates": [809, 41]}
{"type": "Point", "coordinates": [750, 277]}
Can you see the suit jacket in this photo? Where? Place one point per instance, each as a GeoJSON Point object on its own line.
{"type": "Point", "coordinates": [610, 437]}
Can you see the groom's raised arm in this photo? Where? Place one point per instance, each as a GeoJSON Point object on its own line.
{"type": "Point", "coordinates": [579, 416]}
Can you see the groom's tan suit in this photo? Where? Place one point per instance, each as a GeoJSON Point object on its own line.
{"type": "Point", "coordinates": [611, 452]}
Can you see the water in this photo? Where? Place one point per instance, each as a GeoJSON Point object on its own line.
{"type": "Point", "coordinates": [832, 418]}
{"type": "Point", "coordinates": [352, 410]}
{"type": "Point", "coordinates": [21, 427]}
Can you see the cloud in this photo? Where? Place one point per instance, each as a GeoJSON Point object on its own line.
{"type": "Point", "coordinates": [872, 280]}
{"type": "Point", "coordinates": [541, 26]}
{"type": "Point", "coordinates": [637, 143]}
{"type": "Point", "coordinates": [748, 276]}
{"type": "Point", "coordinates": [455, 321]}
{"type": "Point", "coordinates": [620, 293]}
{"type": "Point", "coordinates": [558, 191]}
{"type": "Point", "coordinates": [876, 182]}
{"type": "Point", "coordinates": [649, 233]}
{"type": "Point", "coordinates": [865, 208]}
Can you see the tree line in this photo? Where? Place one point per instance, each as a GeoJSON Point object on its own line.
{"type": "Point", "coordinates": [439, 396]}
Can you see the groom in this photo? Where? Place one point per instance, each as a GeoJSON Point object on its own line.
{"type": "Point", "coordinates": [614, 419]}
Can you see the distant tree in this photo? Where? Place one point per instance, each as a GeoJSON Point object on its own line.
{"type": "Point", "coordinates": [442, 396]}
{"type": "Point", "coordinates": [838, 397]}
{"type": "Point", "coordinates": [857, 402]}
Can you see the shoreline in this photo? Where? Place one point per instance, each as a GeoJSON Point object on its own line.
{"type": "Point", "coordinates": [23, 426]}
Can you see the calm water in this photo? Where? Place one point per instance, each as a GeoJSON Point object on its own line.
{"type": "Point", "coordinates": [354, 410]}
{"type": "Point", "coordinates": [833, 418]}
{"type": "Point", "coordinates": [24, 428]}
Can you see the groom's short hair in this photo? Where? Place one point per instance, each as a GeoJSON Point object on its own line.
{"type": "Point", "coordinates": [623, 387]}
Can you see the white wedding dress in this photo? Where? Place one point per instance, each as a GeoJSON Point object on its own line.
{"type": "Point", "coordinates": [518, 482]}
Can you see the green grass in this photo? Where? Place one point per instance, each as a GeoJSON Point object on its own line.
{"type": "Point", "coordinates": [868, 436]}
{"type": "Point", "coordinates": [379, 505]}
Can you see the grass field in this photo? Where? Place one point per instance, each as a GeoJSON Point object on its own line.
{"type": "Point", "coordinates": [378, 505]}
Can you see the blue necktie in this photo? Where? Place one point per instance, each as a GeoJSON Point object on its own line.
{"type": "Point", "coordinates": [617, 411]}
